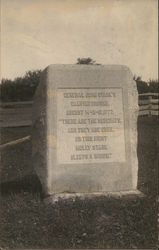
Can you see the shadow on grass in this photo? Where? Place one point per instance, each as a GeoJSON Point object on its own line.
{"type": "Point", "coordinates": [29, 183]}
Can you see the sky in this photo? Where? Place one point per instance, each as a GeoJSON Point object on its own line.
{"type": "Point", "coordinates": [37, 33]}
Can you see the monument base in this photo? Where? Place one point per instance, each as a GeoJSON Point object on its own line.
{"type": "Point", "coordinates": [128, 195]}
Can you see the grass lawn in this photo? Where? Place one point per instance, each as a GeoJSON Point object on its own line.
{"type": "Point", "coordinates": [10, 134]}
{"type": "Point", "coordinates": [27, 222]}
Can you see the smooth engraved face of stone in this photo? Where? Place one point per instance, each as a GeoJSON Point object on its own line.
{"type": "Point", "coordinates": [85, 129]}
{"type": "Point", "coordinates": [92, 122]}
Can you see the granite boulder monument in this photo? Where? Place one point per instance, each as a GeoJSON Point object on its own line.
{"type": "Point", "coordinates": [84, 136]}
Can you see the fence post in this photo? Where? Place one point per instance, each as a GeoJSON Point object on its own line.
{"type": "Point", "coordinates": [150, 105]}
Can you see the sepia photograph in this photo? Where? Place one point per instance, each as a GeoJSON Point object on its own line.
{"type": "Point", "coordinates": [79, 124]}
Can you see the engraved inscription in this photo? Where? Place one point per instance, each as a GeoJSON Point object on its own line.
{"type": "Point", "coordinates": [90, 126]}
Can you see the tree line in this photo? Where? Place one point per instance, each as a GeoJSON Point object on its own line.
{"type": "Point", "coordinates": [23, 88]}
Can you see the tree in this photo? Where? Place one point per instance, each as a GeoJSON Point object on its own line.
{"type": "Point", "coordinates": [153, 86]}
{"type": "Point", "coordinates": [21, 88]}
{"type": "Point", "coordinates": [137, 78]}
{"type": "Point", "coordinates": [142, 86]}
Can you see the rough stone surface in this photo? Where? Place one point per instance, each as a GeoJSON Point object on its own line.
{"type": "Point", "coordinates": [124, 195]}
{"type": "Point", "coordinates": [84, 136]}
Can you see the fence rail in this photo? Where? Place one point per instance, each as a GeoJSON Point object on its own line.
{"type": "Point", "coordinates": [149, 104]}
{"type": "Point", "coordinates": [16, 114]}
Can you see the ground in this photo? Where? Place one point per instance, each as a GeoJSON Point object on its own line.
{"type": "Point", "coordinates": [27, 222]}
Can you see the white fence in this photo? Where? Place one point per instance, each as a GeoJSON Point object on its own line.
{"type": "Point", "coordinates": [149, 104]}
{"type": "Point", "coordinates": [16, 114]}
